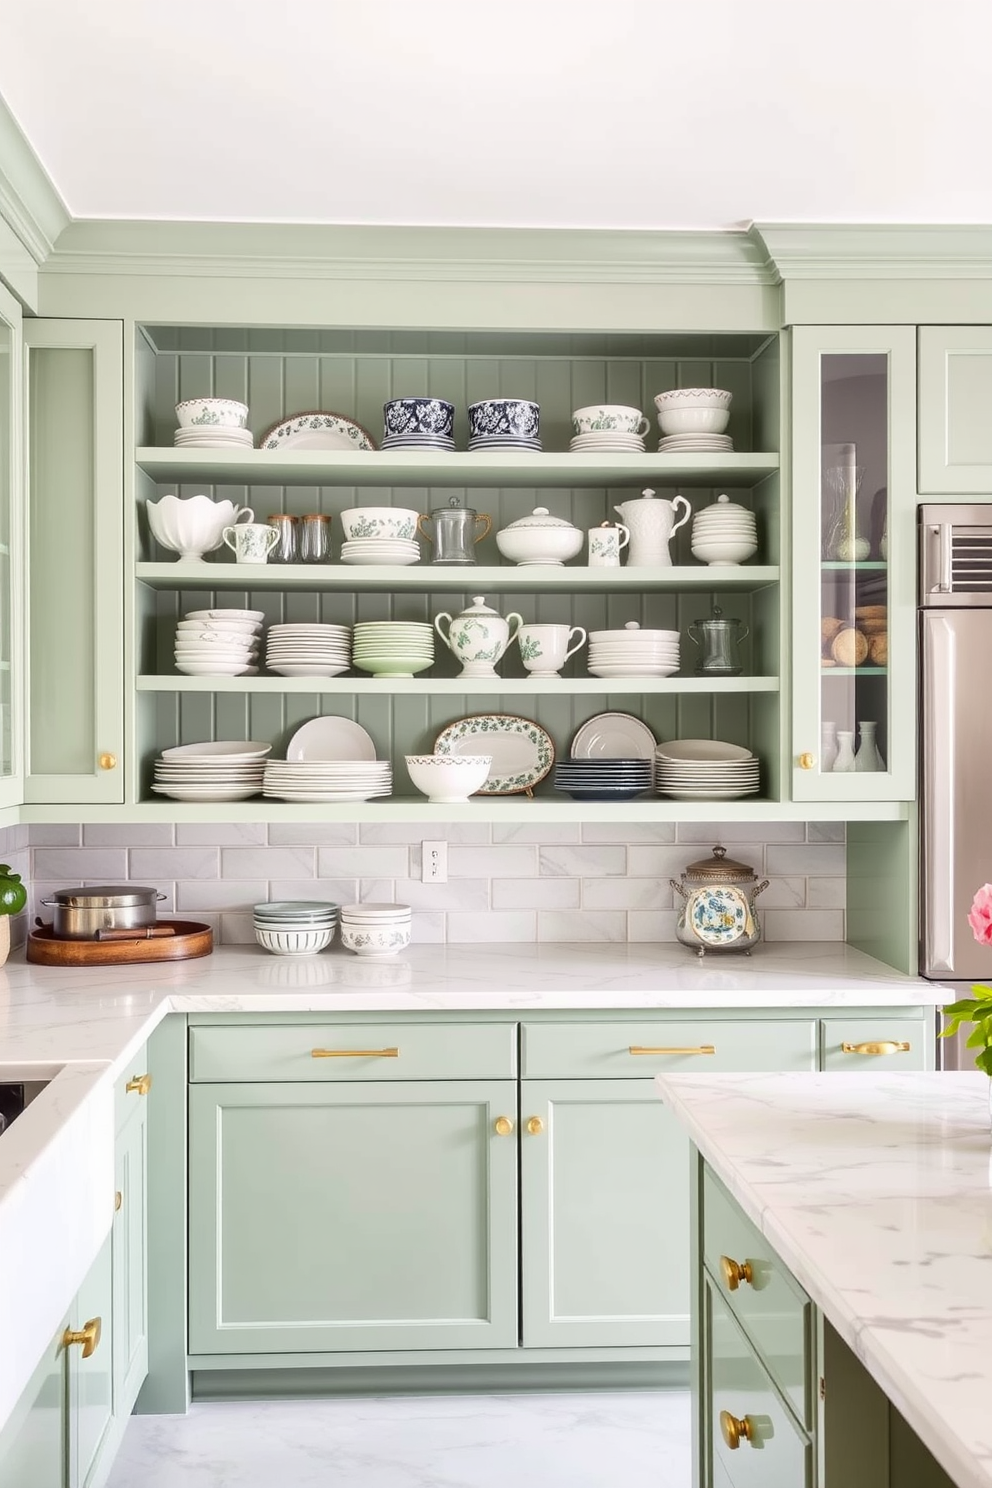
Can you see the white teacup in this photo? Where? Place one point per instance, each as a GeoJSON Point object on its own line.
{"type": "Point", "coordinates": [606, 543]}
{"type": "Point", "coordinates": [251, 543]}
{"type": "Point", "coordinates": [544, 649]}
{"type": "Point", "coordinates": [609, 418]}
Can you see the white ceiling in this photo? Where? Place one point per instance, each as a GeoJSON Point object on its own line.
{"type": "Point", "coordinates": [554, 113]}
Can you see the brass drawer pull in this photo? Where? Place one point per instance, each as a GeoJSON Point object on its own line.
{"type": "Point", "coordinates": [806, 760]}
{"type": "Point", "coordinates": [503, 1126]}
{"type": "Point", "coordinates": [88, 1335]}
{"type": "Point", "coordinates": [354, 1053]}
{"type": "Point", "coordinates": [883, 1046]}
{"type": "Point", "coordinates": [140, 1085]}
{"type": "Point", "coordinates": [674, 1049]}
{"type": "Point", "coordinates": [535, 1126]}
{"type": "Point", "coordinates": [734, 1273]}
{"type": "Point", "coordinates": [734, 1428]}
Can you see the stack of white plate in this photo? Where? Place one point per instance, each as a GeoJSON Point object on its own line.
{"type": "Point", "coordinates": [213, 436]}
{"type": "Point", "coordinates": [695, 444]}
{"type": "Point", "coordinates": [216, 770]}
{"type": "Point", "coordinates": [327, 780]}
{"type": "Point", "coordinates": [393, 648]}
{"type": "Point", "coordinates": [402, 550]}
{"type": "Point", "coordinates": [295, 927]}
{"type": "Point", "coordinates": [218, 643]}
{"type": "Point", "coordinates": [308, 650]}
{"type": "Point", "coordinates": [617, 443]}
{"type": "Point", "coordinates": [633, 652]}
{"type": "Point", "coordinates": [705, 770]}
{"type": "Point", "coordinates": [376, 930]}
{"type": "Point", "coordinates": [724, 534]}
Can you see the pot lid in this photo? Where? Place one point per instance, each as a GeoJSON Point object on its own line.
{"type": "Point", "coordinates": [105, 896]}
{"type": "Point", "coordinates": [725, 507]}
{"type": "Point", "coordinates": [719, 866]}
{"type": "Point", "coordinates": [717, 620]}
{"type": "Point", "coordinates": [540, 517]}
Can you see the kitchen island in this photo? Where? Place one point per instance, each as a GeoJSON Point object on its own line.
{"type": "Point", "coordinates": [868, 1197]}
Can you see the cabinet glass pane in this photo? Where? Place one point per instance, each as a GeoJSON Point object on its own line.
{"type": "Point", "coordinates": [6, 476]}
{"type": "Point", "coordinates": [854, 506]}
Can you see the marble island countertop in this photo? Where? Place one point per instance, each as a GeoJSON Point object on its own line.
{"type": "Point", "coordinates": [880, 1204]}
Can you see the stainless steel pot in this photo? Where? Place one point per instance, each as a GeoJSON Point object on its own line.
{"type": "Point", "coordinates": [79, 913]}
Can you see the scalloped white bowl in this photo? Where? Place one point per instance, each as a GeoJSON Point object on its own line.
{"type": "Point", "coordinates": [193, 525]}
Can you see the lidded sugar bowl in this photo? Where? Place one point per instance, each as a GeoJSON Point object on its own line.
{"type": "Point", "coordinates": [718, 912]}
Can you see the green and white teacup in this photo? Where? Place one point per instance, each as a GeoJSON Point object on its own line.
{"type": "Point", "coordinates": [544, 649]}
{"type": "Point", "coordinates": [610, 418]}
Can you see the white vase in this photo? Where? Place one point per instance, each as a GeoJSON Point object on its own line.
{"type": "Point", "coordinates": [868, 757]}
{"type": "Point", "coordinates": [828, 747]}
{"type": "Point", "coordinates": [844, 763]}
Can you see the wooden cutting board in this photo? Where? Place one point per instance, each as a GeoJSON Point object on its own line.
{"type": "Point", "coordinates": [191, 938]}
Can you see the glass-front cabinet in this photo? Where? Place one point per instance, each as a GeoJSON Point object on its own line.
{"type": "Point", "coordinates": [10, 548]}
{"type": "Point", "coordinates": [853, 500]}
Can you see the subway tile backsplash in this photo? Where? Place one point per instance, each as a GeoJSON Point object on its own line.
{"type": "Point", "coordinates": [574, 882]}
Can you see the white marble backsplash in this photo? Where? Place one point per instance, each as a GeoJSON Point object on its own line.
{"type": "Point", "coordinates": [546, 883]}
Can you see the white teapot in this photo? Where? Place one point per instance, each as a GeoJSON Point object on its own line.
{"type": "Point", "coordinates": [652, 526]}
{"type": "Point", "coordinates": [478, 637]}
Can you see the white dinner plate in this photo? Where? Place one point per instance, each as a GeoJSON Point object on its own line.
{"type": "Point", "coordinates": [231, 751]}
{"type": "Point", "coordinates": [614, 736]}
{"type": "Point", "coordinates": [701, 749]}
{"type": "Point", "coordinates": [331, 738]}
{"type": "Point", "coordinates": [226, 614]}
{"type": "Point", "coordinates": [212, 793]}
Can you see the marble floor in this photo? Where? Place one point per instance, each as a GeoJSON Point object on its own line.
{"type": "Point", "coordinates": [637, 1439]}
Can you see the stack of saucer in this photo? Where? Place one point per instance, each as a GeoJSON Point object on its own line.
{"type": "Point", "coordinates": [695, 444]}
{"type": "Point", "coordinates": [724, 534]}
{"type": "Point", "coordinates": [216, 770]}
{"type": "Point", "coordinates": [213, 438]}
{"type": "Point", "coordinates": [376, 930]}
{"type": "Point", "coordinates": [308, 650]}
{"type": "Point", "coordinates": [633, 652]}
{"type": "Point", "coordinates": [218, 643]}
{"type": "Point", "coordinates": [295, 927]}
{"type": "Point", "coordinates": [393, 648]}
{"type": "Point", "coordinates": [631, 444]}
{"type": "Point", "coordinates": [399, 550]}
{"type": "Point", "coordinates": [327, 780]}
{"type": "Point", "coordinates": [603, 779]}
{"type": "Point", "coordinates": [705, 770]}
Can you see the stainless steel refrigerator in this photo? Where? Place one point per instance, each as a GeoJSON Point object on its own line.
{"type": "Point", "coordinates": [955, 547]}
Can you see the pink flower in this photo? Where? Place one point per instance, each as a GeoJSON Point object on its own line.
{"type": "Point", "coordinates": [980, 918]}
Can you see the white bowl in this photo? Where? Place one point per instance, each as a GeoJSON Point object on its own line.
{"type": "Point", "coordinates": [447, 779]}
{"type": "Point", "coordinates": [374, 911]}
{"type": "Point", "coordinates": [540, 544]}
{"type": "Point", "coordinates": [379, 523]}
{"type": "Point", "coordinates": [224, 413]}
{"type": "Point", "coordinates": [192, 525]}
{"type": "Point", "coordinates": [693, 420]}
{"type": "Point", "coordinates": [693, 398]}
{"type": "Point", "coordinates": [375, 940]}
{"type": "Point", "coordinates": [724, 552]}
{"type": "Point", "coordinates": [294, 942]}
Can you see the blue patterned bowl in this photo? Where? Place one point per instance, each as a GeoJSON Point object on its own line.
{"type": "Point", "coordinates": [493, 417]}
{"type": "Point", "coordinates": [419, 416]}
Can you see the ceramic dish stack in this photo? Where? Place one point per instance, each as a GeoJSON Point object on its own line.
{"type": "Point", "coordinates": [705, 770]}
{"type": "Point", "coordinates": [376, 930]}
{"type": "Point", "coordinates": [603, 779]}
{"type": "Point", "coordinates": [418, 423]}
{"type": "Point", "coordinates": [505, 424]}
{"type": "Point", "coordinates": [308, 650]}
{"type": "Point", "coordinates": [692, 421]}
{"type": "Point", "coordinates": [609, 427]}
{"type": "Point", "coordinates": [380, 534]}
{"type": "Point", "coordinates": [724, 534]}
{"type": "Point", "coordinates": [633, 652]}
{"type": "Point", "coordinates": [218, 643]}
{"type": "Point", "coordinates": [393, 648]}
{"type": "Point", "coordinates": [212, 423]}
{"type": "Point", "coordinates": [295, 927]}
{"type": "Point", "coordinates": [327, 780]}
{"type": "Point", "coordinates": [216, 770]}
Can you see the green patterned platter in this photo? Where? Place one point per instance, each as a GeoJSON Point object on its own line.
{"type": "Point", "coordinates": [523, 752]}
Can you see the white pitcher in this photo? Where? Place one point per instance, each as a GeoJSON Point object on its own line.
{"type": "Point", "coordinates": [477, 637]}
{"type": "Point", "coordinates": [652, 526]}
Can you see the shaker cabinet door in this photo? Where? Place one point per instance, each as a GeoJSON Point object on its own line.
{"type": "Point", "coordinates": [955, 398]}
{"type": "Point", "coordinates": [75, 517]}
{"type": "Point", "coordinates": [33, 1441]}
{"type": "Point", "coordinates": [130, 1243]}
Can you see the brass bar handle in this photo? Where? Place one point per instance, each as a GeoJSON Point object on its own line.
{"type": "Point", "coordinates": [140, 1085]}
{"type": "Point", "coordinates": [88, 1335]}
{"type": "Point", "coordinates": [674, 1049]}
{"type": "Point", "coordinates": [503, 1126]}
{"type": "Point", "coordinates": [535, 1126]}
{"type": "Point", "coordinates": [734, 1273]}
{"type": "Point", "coordinates": [735, 1429]}
{"type": "Point", "coordinates": [354, 1053]}
{"type": "Point", "coordinates": [882, 1046]}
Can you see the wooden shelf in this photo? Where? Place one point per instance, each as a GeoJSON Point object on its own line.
{"type": "Point", "coordinates": [457, 468]}
{"type": "Point", "coordinates": [432, 578]}
{"type": "Point", "coordinates": [536, 687]}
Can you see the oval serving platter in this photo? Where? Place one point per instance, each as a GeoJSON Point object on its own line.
{"type": "Point", "coordinates": [523, 752]}
{"type": "Point", "coordinates": [317, 430]}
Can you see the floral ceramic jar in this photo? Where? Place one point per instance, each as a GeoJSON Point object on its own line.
{"type": "Point", "coordinates": [718, 912]}
{"type": "Point", "coordinates": [478, 636]}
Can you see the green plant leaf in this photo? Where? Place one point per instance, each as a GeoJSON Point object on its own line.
{"type": "Point", "coordinates": [984, 1061]}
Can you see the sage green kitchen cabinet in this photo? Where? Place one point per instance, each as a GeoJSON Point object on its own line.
{"type": "Point", "coordinates": [75, 649]}
{"type": "Point", "coordinates": [33, 1442]}
{"type": "Point", "coordinates": [130, 1251]}
{"type": "Point", "coordinates": [854, 564]}
{"type": "Point", "coordinates": [352, 1216]}
{"type": "Point", "coordinates": [11, 553]}
{"type": "Point", "coordinates": [90, 1435]}
{"type": "Point", "coordinates": [955, 395]}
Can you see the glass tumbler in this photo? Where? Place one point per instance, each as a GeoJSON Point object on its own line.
{"type": "Point", "coordinates": [315, 538]}
{"type": "Point", "coordinates": [285, 549]}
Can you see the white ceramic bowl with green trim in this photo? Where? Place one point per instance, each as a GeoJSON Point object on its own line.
{"type": "Point", "coordinates": [215, 413]}
{"type": "Point", "coordinates": [448, 779]}
{"type": "Point", "coordinates": [382, 523]}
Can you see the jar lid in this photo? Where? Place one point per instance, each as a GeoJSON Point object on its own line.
{"type": "Point", "coordinates": [314, 517]}
{"type": "Point", "coordinates": [281, 517]}
{"type": "Point", "coordinates": [541, 517]}
{"type": "Point", "coordinates": [717, 620]}
{"type": "Point", "coordinates": [719, 866]}
{"type": "Point", "coordinates": [725, 507]}
{"type": "Point", "coordinates": [478, 607]}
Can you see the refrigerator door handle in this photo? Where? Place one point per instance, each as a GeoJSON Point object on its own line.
{"type": "Point", "coordinates": [938, 793]}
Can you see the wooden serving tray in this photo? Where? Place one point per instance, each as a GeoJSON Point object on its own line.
{"type": "Point", "coordinates": [191, 938]}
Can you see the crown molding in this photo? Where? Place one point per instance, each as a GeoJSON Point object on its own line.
{"type": "Point", "coordinates": [493, 255]}
{"type": "Point", "coordinates": [883, 251]}
{"type": "Point", "coordinates": [29, 203]}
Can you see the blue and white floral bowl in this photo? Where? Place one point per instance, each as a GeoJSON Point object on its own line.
{"type": "Point", "coordinates": [504, 418]}
{"type": "Point", "coordinates": [424, 417]}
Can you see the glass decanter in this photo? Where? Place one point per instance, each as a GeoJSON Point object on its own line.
{"type": "Point", "coordinates": [844, 541]}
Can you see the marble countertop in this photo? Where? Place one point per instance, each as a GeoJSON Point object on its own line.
{"type": "Point", "coordinates": [880, 1204]}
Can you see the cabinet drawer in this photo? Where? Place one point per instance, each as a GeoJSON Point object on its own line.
{"type": "Point", "coordinates": [587, 1051]}
{"type": "Point", "coordinates": [771, 1308]}
{"type": "Point", "coordinates": [875, 1044]}
{"type": "Point", "coordinates": [771, 1450]}
{"type": "Point", "coordinates": [127, 1101]}
{"type": "Point", "coordinates": [354, 1051]}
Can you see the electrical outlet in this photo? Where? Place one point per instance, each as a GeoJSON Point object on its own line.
{"type": "Point", "coordinates": [434, 862]}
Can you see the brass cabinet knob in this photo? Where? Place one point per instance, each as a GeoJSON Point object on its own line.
{"type": "Point", "coordinates": [734, 1273]}
{"type": "Point", "coordinates": [88, 1335]}
{"type": "Point", "coordinates": [879, 1046]}
{"type": "Point", "coordinates": [118, 1201]}
{"type": "Point", "coordinates": [735, 1429]}
{"type": "Point", "coordinates": [535, 1126]}
{"type": "Point", "coordinates": [108, 762]}
{"type": "Point", "coordinates": [806, 761]}
{"type": "Point", "coordinates": [503, 1126]}
{"type": "Point", "coordinates": [140, 1085]}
